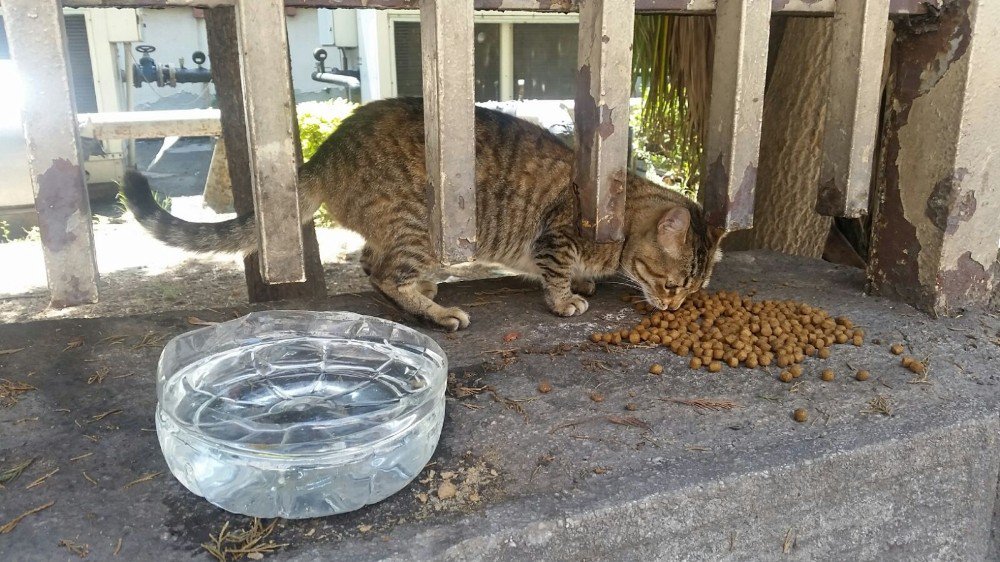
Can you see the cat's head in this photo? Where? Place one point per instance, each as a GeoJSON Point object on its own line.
{"type": "Point", "coordinates": [670, 255]}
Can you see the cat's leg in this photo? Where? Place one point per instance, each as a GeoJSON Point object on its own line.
{"type": "Point", "coordinates": [583, 286]}
{"type": "Point", "coordinates": [403, 277]}
{"type": "Point", "coordinates": [428, 287]}
{"type": "Point", "coordinates": [366, 259]}
{"type": "Point", "coordinates": [554, 259]}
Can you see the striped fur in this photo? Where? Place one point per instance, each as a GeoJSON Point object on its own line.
{"type": "Point", "coordinates": [371, 174]}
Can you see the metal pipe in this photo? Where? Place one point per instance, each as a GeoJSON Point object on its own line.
{"type": "Point", "coordinates": [339, 79]}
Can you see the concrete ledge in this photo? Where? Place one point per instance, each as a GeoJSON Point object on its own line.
{"type": "Point", "coordinates": [748, 483]}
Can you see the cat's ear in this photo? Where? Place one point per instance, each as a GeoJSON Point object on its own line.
{"type": "Point", "coordinates": [672, 229]}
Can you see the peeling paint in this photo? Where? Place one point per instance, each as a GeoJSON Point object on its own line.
{"type": "Point", "coordinates": [60, 190]}
{"type": "Point", "coordinates": [942, 201]}
{"type": "Point", "coordinates": [966, 283]}
{"type": "Point", "coordinates": [606, 128]}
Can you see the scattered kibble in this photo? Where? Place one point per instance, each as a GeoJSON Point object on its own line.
{"type": "Point", "coordinates": [726, 328]}
{"type": "Point", "coordinates": [862, 375]}
{"type": "Point", "coordinates": [597, 397]}
{"type": "Point", "coordinates": [545, 387]}
{"type": "Point", "coordinates": [827, 375]}
{"type": "Point", "coordinates": [896, 349]}
{"type": "Point", "coordinates": [796, 370]}
{"type": "Point", "coordinates": [631, 406]}
{"type": "Point", "coordinates": [917, 367]}
{"type": "Point", "coordinates": [786, 376]}
{"type": "Point", "coordinates": [906, 361]}
{"type": "Point", "coordinates": [800, 415]}
{"type": "Point", "coordinates": [656, 369]}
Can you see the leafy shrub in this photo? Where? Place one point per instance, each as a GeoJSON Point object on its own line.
{"type": "Point", "coordinates": [317, 119]}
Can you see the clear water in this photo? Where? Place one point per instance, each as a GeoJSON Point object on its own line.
{"type": "Point", "coordinates": [291, 425]}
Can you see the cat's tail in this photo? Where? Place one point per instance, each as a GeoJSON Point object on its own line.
{"type": "Point", "coordinates": [238, 235]}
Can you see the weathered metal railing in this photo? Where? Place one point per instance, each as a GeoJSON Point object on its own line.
{"type": "Point", "coordinates": [601, 109]}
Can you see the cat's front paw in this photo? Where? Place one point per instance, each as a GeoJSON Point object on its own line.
{"type": "Point", "coordinates": [585, 287]}
{"type": "Point", "coordinates": [450, 319]}
{"type": "Point", "coordinates": [574, 305]}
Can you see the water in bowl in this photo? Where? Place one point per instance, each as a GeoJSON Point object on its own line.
{"type": "Point", "coordinates": [302, 426]}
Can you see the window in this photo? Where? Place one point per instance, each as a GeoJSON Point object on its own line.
{"type": "Point", "coordinates": [545, 61]}
{"type": "Point", "coordinates": [409, 80]}
{"type": "Point", "coordinates": [516, 57]}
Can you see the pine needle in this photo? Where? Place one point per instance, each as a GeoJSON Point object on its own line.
{"type": "Point", "coordinates": [10, 351]}
{"type": "Point", "coordinates": [9, 474]}
{"type": "Point", "coordinates": [629, 421]}
{"type": "Point", "coordinates": [103, 415]}
{"type": "Point", "coordinates": [40, 479]}
{"type": "Point", "coordinates": [10, 390]}
{"type": "Point", "coordinates": [704, 403]}
{"type": "Point", "coordinates": [9, 526]}
{"type": "Point", "coordinates": [144, 478]}
{"type": "Point", "coordinates": [229, 545]}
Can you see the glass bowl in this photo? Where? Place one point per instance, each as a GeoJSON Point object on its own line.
{"type": "Point", "coordinates": [299, 414]}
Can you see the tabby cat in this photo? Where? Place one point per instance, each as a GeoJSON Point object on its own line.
{"type": "Point", "coordinates": [370, 172]}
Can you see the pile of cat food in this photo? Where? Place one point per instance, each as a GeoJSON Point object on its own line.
{"type": "Point", "coordinates": [726, 329]}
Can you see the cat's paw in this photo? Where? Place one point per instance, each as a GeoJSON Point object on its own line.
{"type": "Point", "coordinates": [451, 319]}
{"type": "Point", "coordinates": [585, 287]}
{"type": "Point", "coordinates": [573, 305]}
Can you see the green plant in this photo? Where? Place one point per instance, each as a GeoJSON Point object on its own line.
{"type": "Point", "coordinates": [317, 120]}
{"type": "Point", "coordinates": [4, 231]}
{"type": "Point", "coordinates": [162, 200]}
{"type": "Point", "coordinates": [672, 61]}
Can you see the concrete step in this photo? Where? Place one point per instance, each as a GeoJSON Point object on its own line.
{"type": "Point", "coordinates": [549, 476]}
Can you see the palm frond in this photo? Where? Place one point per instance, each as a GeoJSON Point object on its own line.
{"type": "Point", "coordinates": [672, 61]}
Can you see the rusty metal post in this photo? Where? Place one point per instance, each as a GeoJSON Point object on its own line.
{"type": "Point", "coordinates": [603, 84]}
{"type": "Point", "coordinates": [37, 36]}
{"type": "Point", "coordinates": [859, 34]}
{"type": "Point", "coordinates": [731, 149]}
{"type": "Point", "coordinates": [222, 40]}
{"type": "Point", "coordinates": [267, 94]}
{"type": "Point", "coordinates": [936, 224]}
{"type": "Point", "coordinates": [446, 44]}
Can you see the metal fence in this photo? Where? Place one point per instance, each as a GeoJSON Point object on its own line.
{"type": "Point", "coordinates": [601, 113]}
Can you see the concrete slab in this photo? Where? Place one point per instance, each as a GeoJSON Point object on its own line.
{"type": "Point", "coordinates": [549, 476]}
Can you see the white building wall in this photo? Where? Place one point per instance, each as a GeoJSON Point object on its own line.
{"type": "Point", "coordinates": [176, 33]}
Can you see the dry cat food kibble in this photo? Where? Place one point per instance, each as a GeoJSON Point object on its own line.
{"type": "Point", "coordinates": [545, 387]}
{"type": "Point", "coordinates": [862, 375]}
{"type": "Point", "coordinates": [656, 369]}
{"type": "Point", "coordinates": [827, 375]}
{"type": "Point", "coordinates": [725, 328]}
{"type": "Point", "coordinates": [800, 415]}
{"type": "Point", "coordinates": [896, 349]}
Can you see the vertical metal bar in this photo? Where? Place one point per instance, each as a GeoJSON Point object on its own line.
{"type": "Point", "coordinates": [731, 149]}
{"type": "Point", "coordinates": [446, 44]}
{"type": "Point", "coordinates": [858, 44]}
{"type": "Point", "coordinates": [37, 36]}
{"type": "Point", "coordinates": [267, 91]}
{"type": "Point", "coordinates": [603, 84]}
{"type": "Point", "coordinates": [220, 23]}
